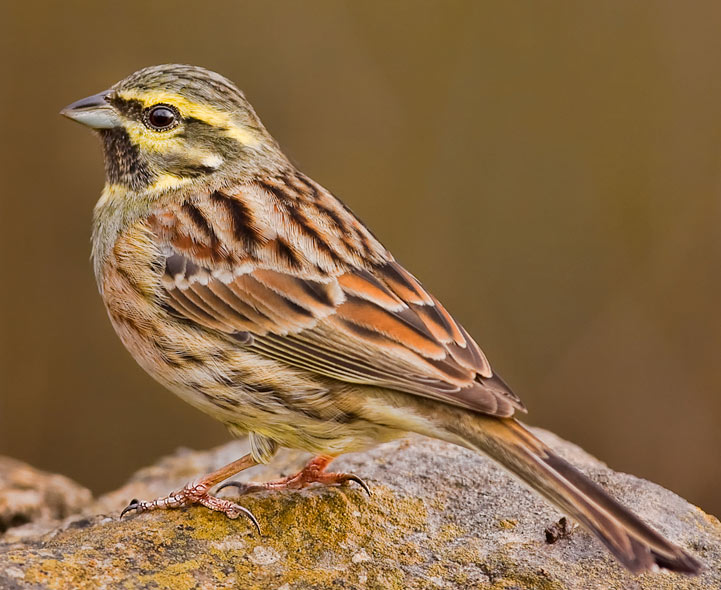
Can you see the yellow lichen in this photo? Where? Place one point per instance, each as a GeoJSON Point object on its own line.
{"type": "Point", "coordinates": [319, 538]}
{"type": "Point", "coordinates": [448, 532]}
{"type": "Point", "coordinates": [299, 532]}
{"type": "Point", "coordinates": [176, 576]}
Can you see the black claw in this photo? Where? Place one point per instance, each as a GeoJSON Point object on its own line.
{"type": "Point", "coordinates": [249, 514]}
{"type": "Point", "coordinates": [134, 505]}
{"type": "Point", "coordinates": [233, 484]}
{"type": "Point", "coordinates": [360, 482]}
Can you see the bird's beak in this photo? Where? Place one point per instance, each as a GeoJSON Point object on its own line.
{"type": "Point", "coordinates": [94, 111]}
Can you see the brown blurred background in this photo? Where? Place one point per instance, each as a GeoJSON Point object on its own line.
{"type": "Point", "coordinates": [551, 171]}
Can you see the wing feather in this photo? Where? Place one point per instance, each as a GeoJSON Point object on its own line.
{"type": "Point", "coordinates": [232, 267]}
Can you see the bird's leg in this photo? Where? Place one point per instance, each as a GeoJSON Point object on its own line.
{"type": "Point", "coordinates": [313, 472]}
{"type": "Point", "coordinates": [197, 492]}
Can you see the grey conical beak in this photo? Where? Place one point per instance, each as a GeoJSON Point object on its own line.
{"type": "Point", "coordinates": [94, 111]}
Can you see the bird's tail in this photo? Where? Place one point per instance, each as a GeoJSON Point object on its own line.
{"type": "Point", "coordinates": [634, 543]}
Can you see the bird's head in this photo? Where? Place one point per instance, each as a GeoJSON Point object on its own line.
{"type": "Point", "coordinates": [169, 126]}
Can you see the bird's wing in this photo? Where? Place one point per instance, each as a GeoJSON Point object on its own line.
{"type": "Point", "coordinates": [302, 281]}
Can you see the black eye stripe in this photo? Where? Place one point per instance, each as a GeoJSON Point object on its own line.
{"type": "Point", "coordinates": [161, 117]}
{"type": "Point", "coordinates": [130, 108]}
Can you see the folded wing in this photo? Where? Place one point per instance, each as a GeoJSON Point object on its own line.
{"type": "Point", "coordinates": [297, 286]}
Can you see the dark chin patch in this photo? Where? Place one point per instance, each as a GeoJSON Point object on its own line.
{"type": "Point", "coordinates": [123, 164]}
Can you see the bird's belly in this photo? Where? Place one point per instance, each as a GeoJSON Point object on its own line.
{"type": "Point", "coordinates": [228, 379]}
{"type": "Point", "coordinates": [244, 390]}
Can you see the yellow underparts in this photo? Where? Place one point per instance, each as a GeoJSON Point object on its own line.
{"type": "Point", "coordinates": [208, 114]}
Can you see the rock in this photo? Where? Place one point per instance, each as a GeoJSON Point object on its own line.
{"type": "Point", "coordinates": [33, 501]}
{"type": "Point", "coordinates": [439, 517]}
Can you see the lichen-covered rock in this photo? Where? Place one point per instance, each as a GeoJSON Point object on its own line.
{"type": "Point", "coordinates": [439, 517]}
{"type": "Point", "coordinates": [33, 501]}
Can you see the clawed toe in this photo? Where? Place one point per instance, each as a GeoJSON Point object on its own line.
{"type": "Point", "coordinates": [358, 480]}
{"type": "Point", "coordinates": [242, 487]}
{"type": "Point", "coordinates": [197, 492]}
{"type": "Point", "coordinates": [294, 483]}
{"type": "Point", "coordinates": [133, 505]}
{"type": "Point", "coordinates": [235, 510]}
{"type": "Point", "coordinates": [313, 472]}
{"type": "Point", "coordinates": [189, 496]}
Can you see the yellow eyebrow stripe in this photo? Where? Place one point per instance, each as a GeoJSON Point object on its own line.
{"type": "Point", "coordinates": [188, 108]}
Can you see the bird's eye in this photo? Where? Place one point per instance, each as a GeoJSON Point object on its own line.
{"type": "Point", "coordinates": [161, 117]}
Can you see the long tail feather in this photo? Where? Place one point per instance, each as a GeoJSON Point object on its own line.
{"type": "Point", "coordinates": [634, 543]}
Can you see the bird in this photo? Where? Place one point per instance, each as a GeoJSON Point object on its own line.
{"type": "Point", "coordinates": [254, 294]}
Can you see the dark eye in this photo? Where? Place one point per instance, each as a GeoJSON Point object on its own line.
{"type": "Point", "coordinates": [161, 117]}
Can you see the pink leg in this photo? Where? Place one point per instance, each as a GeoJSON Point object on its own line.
{"type": "Point", "coordinates": [313, 472]}
{"type": "Point", "coordinates": [196, 492]}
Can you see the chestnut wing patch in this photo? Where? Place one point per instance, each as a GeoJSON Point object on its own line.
{"type": "Point", "coordinates": [373, 326]}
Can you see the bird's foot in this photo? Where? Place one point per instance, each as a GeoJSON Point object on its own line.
{"type": "Point", "coordinates": [313, 472]}
{"type": "Point", "coordinates": [197, 493]}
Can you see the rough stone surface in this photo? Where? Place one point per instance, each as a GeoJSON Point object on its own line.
{"type": "Point", "coordinates": [439, 517]}
{"type": "Point", "coordinates": [33, 501]}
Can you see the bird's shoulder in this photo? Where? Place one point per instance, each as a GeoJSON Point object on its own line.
{"type": "Point", "coordinates": [286, 222]}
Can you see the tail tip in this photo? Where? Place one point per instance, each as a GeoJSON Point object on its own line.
{"type": "Point", "coordinates": [681, 563]}
{"type": "Point", "coordinates": [646, 559]}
